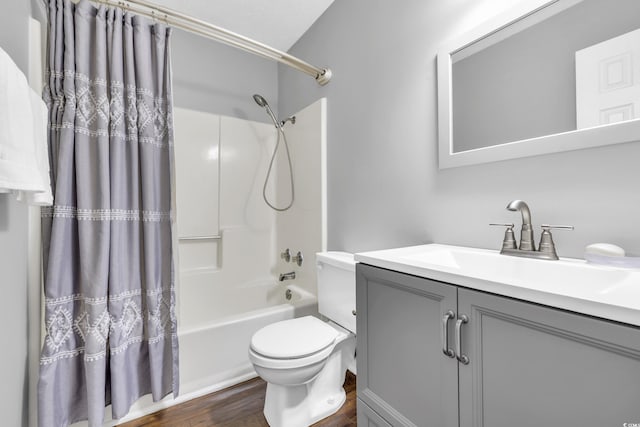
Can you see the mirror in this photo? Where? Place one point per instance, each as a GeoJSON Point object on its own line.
{"type": "Point", "coordinates": [541, 78]}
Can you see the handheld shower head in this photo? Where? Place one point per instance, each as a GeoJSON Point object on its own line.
{"type": "Point", "coordinates": [280, 132]}
{"type": "Point", "coordinates": [260, 100]}
{"type": "Point", "coordinates": [263, 103]}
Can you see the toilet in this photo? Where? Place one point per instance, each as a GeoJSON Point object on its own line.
{"type": "Point", "coordinates": [304, 360]}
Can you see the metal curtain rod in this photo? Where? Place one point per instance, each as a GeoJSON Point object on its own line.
{"type": "Point", "coordinates": [193, 25]}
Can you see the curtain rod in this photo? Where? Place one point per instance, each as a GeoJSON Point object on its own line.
{"type": "Point", "coordinates": [193, 25]}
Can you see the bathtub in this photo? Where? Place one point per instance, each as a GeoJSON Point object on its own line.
{"type": "Point", "coordinates": [214, 354]}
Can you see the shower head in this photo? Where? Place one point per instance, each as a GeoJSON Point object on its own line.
{"type": "Point", "coordinates": [263, 103]}
{"type": "Point", "coordinates": [260, 100]}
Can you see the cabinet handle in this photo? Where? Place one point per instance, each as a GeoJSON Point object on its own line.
{"type": "Point", "coordinates": [462, 358]}
{"type": "Point", "coordinates": [445, 334]}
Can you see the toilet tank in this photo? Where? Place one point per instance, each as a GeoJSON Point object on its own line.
{"type": "Point", "coordinates": [337, 288]}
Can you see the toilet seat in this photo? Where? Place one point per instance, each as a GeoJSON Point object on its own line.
{"type": "Point", "coordinates": [293, 338]}
{"type": "Point", "coordinates": [293, 343]}
{"type": "Point", "coordinates": [267, 362]}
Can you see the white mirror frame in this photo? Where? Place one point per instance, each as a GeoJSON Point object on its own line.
{"type": "Point", "coordinates": [616, 133]}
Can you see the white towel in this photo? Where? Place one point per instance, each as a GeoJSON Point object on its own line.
{"type": "Point", "coordinates": [24, 157]}
{"type": "Point", "coordinates": [41, 147]}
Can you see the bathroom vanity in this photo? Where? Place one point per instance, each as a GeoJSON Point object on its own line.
{"type": "Point", "coordinates": [452, 336]}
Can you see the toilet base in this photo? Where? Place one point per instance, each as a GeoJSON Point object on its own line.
{"type": "Point", "coordinates": [304, 404]}
{"type": "Point", "coordinates": [289, 406]}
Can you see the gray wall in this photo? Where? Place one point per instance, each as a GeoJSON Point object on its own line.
{"type": "Point", "coordinates": [525, 86]}
{"type": "Point", "coordinates": [14, 40]}
{"type": "Point", "coordinates": [209, 76]}
{"type": "Point", "coordinates": [385, 189]}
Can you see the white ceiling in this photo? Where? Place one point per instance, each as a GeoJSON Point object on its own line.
{"type": "Point", "coordinates": [277, 23]}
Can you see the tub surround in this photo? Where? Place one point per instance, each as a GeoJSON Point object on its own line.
{"type": "Point", "coordinates": [303, 227]}
{"type": "Point", "coordinates": [240, 251]}
{"type": "Point", "coordinates": [242, 236]}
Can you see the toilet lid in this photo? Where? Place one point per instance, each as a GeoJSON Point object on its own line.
{"type": "Point", "coordinates": [294, 338]}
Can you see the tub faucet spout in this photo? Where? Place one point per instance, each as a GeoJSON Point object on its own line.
{"type": "Point", "coordinates": [287, 276]}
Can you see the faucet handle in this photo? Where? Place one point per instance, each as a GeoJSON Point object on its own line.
{"type": "Point", "coordinates": [509, 241]}
{"type": "Point", "coordinates": [499, 224]}
{"type": "Point", "coordinates": [298, 258]}
{"type": "Point", "coordinates": [546, 240]}
{"type": "Point", "coordinates": [547, 227]}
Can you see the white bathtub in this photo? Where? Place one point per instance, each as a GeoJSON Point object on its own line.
{"type": "Point", "coordinates": [214, 355]}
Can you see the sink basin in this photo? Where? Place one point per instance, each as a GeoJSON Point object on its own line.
{"type": "Point", "coordinates": [555, 276]}
{"type": "Point", "coordinates": [572, 284]}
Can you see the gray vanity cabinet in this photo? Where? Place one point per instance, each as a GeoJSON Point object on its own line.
{"type": "Point", "coordinates": [529, 365]}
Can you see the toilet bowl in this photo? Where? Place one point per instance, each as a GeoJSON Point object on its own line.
{"type": "Point", "coordinates": [304, 381]}
{"type": "Point", "coordinates": [304, 360]}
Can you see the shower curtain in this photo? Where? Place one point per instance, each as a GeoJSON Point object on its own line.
{"type": "Point", "coordinates": [110, 325]}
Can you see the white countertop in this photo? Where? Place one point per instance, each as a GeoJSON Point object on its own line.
{"type": "Point", "coordinates": [607, 292]}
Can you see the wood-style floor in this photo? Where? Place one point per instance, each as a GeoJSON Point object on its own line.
{"type": "Point", "coordinates": [239, 406]}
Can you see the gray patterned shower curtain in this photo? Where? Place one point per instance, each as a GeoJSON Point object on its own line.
{"type": "Point", "coordinates": [107, 240]}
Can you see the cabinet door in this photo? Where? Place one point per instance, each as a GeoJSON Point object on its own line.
{"type": "Point", "coordinates": [534, 366]}
{"type": "Point", "coordinates": [402, 371]}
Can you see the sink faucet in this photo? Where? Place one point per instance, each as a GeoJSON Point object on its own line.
{"type": "Point", "coordinates": [287, 276]}
{"type": "Point", "coordinates": [547, 249]}
{"type": "Point", "coordinates": [526, 234]}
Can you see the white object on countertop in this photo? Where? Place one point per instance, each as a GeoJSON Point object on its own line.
{"type": "Point", "coordinates": [604, 249]}
{"type": "Point", "coordinates": [611, 255]}
{"type": "Point", "coordinates": [613, 261]}
{"type": "Point", "coordinates": [24, 158]}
